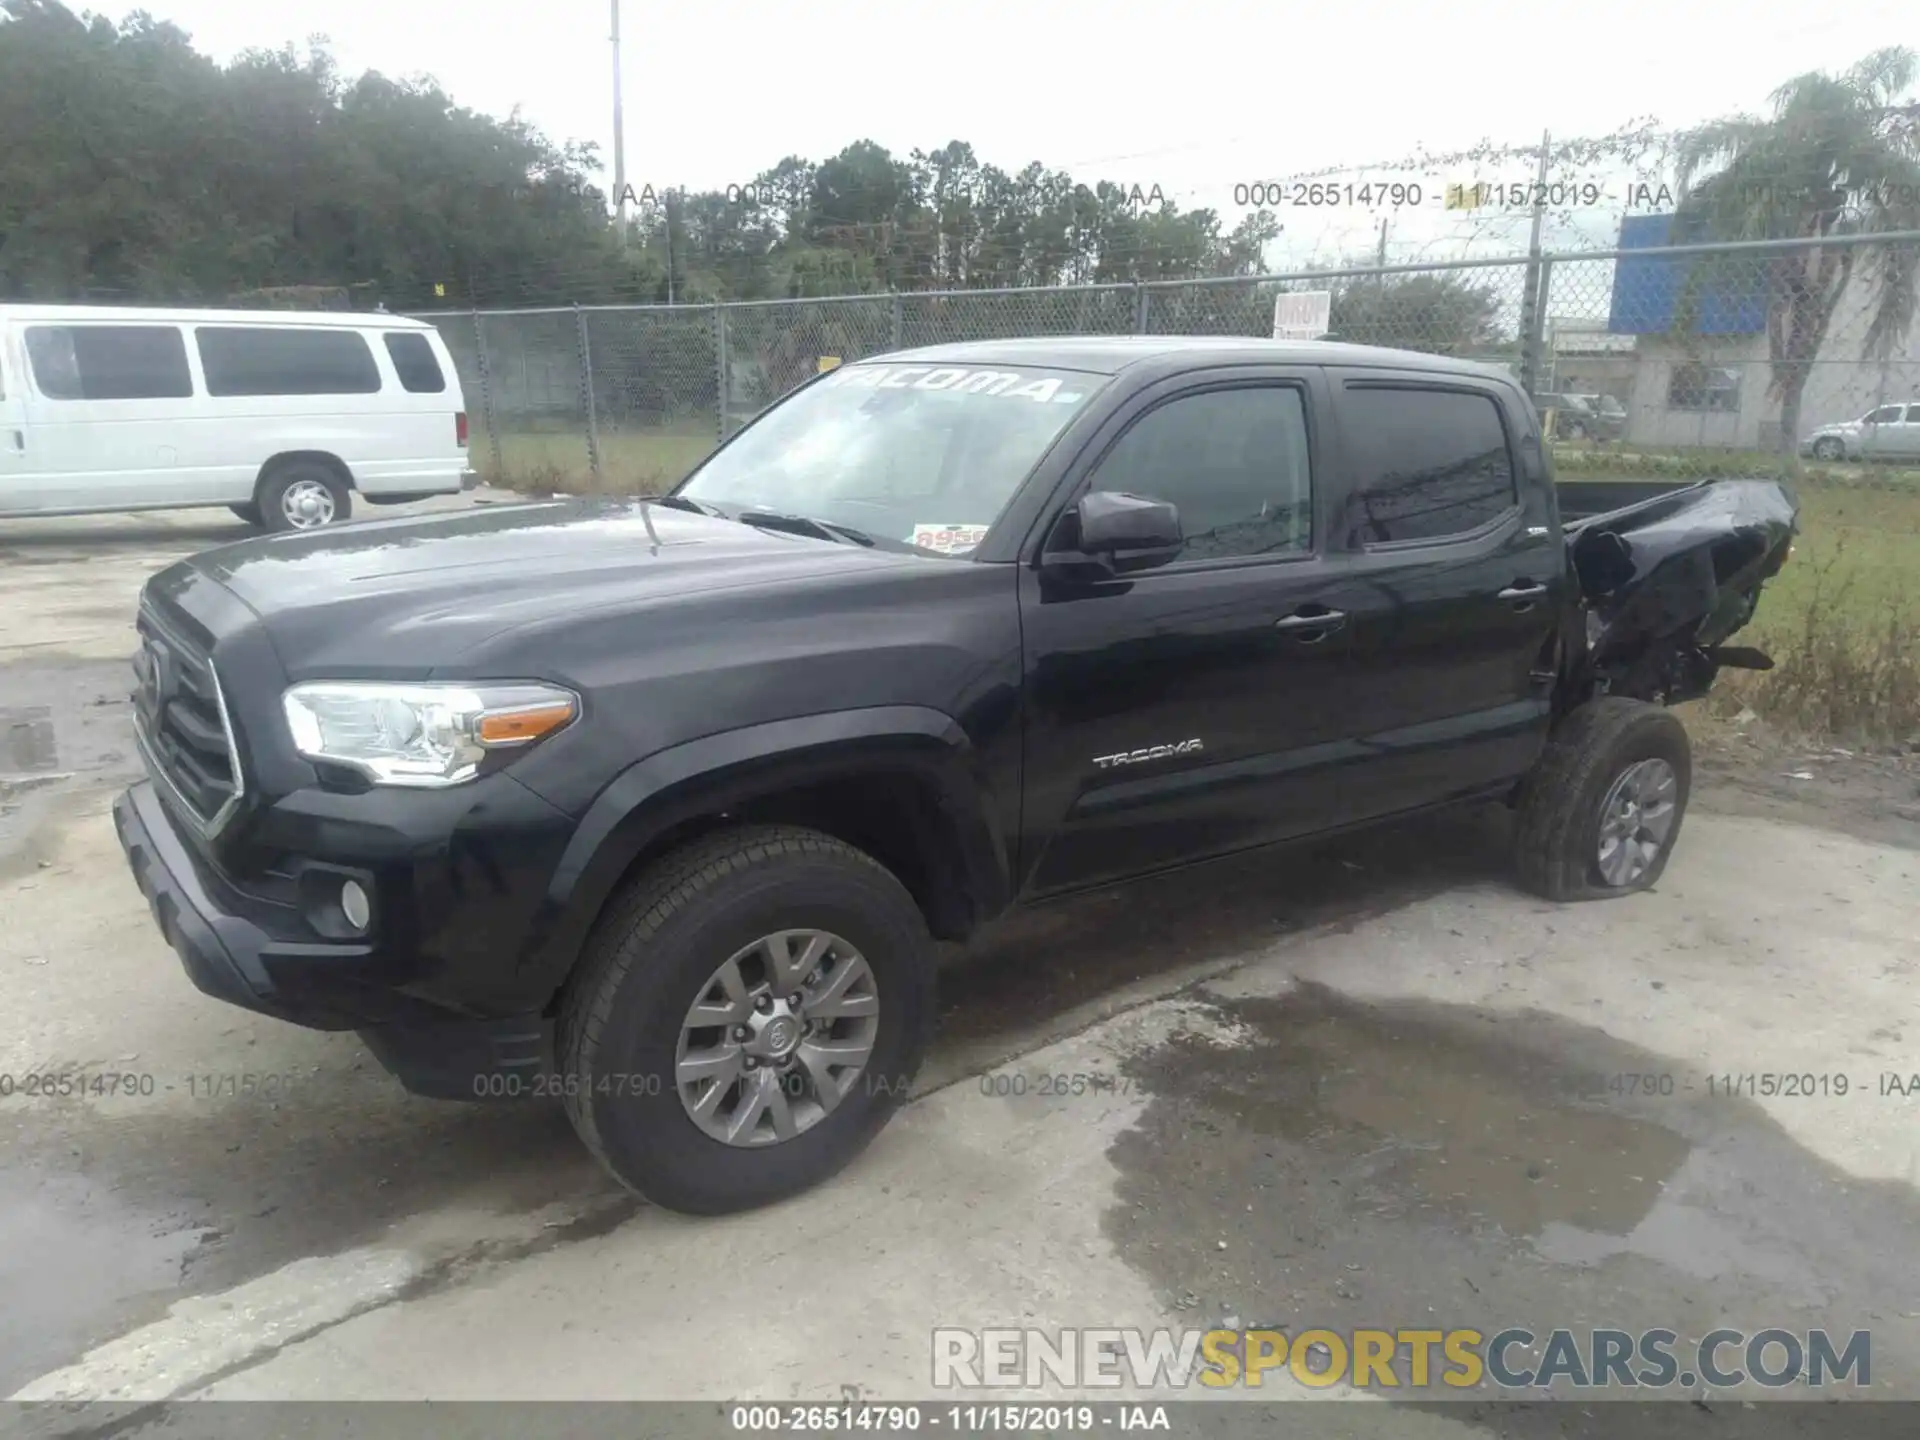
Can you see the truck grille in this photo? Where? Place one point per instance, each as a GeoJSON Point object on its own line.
{"type": "Point", "coordinates": [181, 719]}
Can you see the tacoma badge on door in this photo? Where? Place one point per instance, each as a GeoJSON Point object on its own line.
{"type": "Point", "coordinates": [1152, 752]}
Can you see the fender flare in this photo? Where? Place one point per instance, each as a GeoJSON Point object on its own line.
{"type": "Point", "coordinates": [685, 782]}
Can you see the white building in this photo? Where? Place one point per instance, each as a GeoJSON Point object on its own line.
{"type": "Point", "coordinates": [1713, 389]}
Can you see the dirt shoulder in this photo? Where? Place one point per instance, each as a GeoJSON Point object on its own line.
{"type": "Point", "coordinates": [1746, 768]}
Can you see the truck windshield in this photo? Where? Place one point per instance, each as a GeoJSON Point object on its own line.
{"type": "Point", "coordinates": [918, 455]}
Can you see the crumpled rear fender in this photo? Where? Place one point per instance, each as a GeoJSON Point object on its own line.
{"type": "Point", "coordinates": [1663, 583]}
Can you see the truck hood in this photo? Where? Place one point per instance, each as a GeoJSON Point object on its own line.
{"type": "Point", "coordinates": [402, 594]}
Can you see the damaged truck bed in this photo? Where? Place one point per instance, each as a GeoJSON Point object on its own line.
{"type": "Point", "coordinates": [1666, 580]}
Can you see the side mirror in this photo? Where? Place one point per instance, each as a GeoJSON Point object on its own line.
{"type": "Point", "coordinates": [1111, 522]}
{"type": "Point", "coordinates": [1109, 534]}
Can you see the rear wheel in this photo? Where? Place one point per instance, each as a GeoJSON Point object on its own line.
{"type": "Point", "coordinates": [1600, 813]}
{"type": "Point", "coordinates": [748, 1015]}
{"type": "Point", "coordinates": [302, 495]}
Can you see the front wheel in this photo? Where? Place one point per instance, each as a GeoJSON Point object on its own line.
{"type": "Point", "coordinates": [749, 1013]}
{"type": "Point", "coordinates": [1599, 814]}
{"type": "Point", "coordinates": [1829, 448]}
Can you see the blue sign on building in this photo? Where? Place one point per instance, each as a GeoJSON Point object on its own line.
{"type": "Point", "coordinates": [1646, 290]}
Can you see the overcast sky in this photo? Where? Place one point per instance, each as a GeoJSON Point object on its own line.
{"type": "Point", "coordinates": [1195, 97]}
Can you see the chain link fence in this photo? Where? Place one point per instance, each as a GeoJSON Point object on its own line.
{"type": "Point", "coordinates": [1647, 362]}
{"type": "Point", "coordinates": [1706, 361]}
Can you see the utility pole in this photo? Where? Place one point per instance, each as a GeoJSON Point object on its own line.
{"type": "Point", "coordinates": [1539, 196]}
{"type": "Point", "coordinates": [619, 134]}
{"type": "Point", "coordinates": [1533, 300]}
{"type": "Point", "coordinates": [1381, 262]}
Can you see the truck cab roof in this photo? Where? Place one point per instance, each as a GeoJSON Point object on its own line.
{"type": "Point", "coordinates": [1112, 354]}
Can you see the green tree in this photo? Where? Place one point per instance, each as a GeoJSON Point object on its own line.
{"type": "Point", "coordinates": [1840, 155]}
{"type": "Point", "coordinates": [1440, 313]}
{"type": "Point", "coordinates": [135, 168]}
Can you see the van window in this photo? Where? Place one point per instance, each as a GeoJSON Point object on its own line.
{"type": "Point", "coordinates": [286, 361]}
{"type": "Point", "coordinates": [414, 363]}
{"type": "Point", "coordinates": [109, 362]}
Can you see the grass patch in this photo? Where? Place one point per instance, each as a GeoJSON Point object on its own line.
{"type": "Point", "coordinates": [632, 461]}
{"type": "Point", "coordinates": [1841, 620]}
{"type": "Point", "coordinates": [1616, 461]}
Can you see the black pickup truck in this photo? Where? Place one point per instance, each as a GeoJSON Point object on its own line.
{"type": "Point", "coordinates": [657, 807]}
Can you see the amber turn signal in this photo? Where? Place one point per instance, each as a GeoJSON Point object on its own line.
{"type": "Point", "coordinates": [517, 727]}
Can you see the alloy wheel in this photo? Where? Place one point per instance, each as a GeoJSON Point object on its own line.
{"type": "Point", "coordinates": [1636, 820]}
{"type": "Point", "coordinates": [777, 1038]}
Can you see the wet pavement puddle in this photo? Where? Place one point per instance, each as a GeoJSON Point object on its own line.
{"type": "Point", "coordinates": [1411, 1164]}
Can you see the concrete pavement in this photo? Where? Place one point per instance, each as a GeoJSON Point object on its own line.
{"type": "Point", "coordinates": [1368, 1083]}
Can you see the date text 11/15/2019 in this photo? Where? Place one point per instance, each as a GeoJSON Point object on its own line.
{"type": "Point", "coordinates": [1751, 1084]}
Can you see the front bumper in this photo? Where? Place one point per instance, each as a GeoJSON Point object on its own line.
{"type": "Point", "coordinates": [236, 950]}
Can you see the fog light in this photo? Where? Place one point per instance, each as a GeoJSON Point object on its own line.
{"type": "Point", "coordinates": [355, 905]}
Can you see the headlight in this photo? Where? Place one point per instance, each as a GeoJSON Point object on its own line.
{"type": "Point", "coordinates": [422, 735]}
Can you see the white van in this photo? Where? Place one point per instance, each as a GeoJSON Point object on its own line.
{"type": "Point", "coordinates": [281, 416]}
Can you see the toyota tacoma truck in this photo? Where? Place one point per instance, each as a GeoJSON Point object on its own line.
{"type": "Point", "coordinates": [658, 806]}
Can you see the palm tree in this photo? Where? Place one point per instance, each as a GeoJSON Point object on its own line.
{"type": "Point", "coordinates": [1840, 156]}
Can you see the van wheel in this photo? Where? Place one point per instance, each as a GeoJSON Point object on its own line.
{"type": "Point", "coordinates": [249, 513]}
{"type": "Point", "coordinates": [302, 495]}
{"type": "Point", "coordinates": [748, 1014]}
{"type": "Point", "coordinates": [1601, 810]}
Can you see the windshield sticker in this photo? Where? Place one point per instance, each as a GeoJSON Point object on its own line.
{"type": "Point", "coordinates": [949, 539]}
{"type": "Point", "coordinates": [1007, 384]}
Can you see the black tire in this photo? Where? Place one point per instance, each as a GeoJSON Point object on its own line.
{"type": "Point", "coordinates": [1576, 431]}
{"type": "Point", "coordinates": [1829, 449]}
{"type": "Point", "coordinates": [298, 475]}
{"type": "Point", "coordinates": [1557, 832]}
{"type": "Point", "coordinates": [657, 947]}
{"type": "Point", "coordinates": [248, 512]}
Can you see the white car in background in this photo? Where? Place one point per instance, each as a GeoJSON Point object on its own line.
{"type": "Point", "coordinates": [282, 417]}
{"type": "Point", "coordinates": [1888, 432]}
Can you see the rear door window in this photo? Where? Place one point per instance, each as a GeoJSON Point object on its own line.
{"type": "Point", "coordinates": [416, 365]}
{"type": "Point", "coordinates": [1422, 464]}
{"type": "Point", "coordinates": [276, 360]}
{"type": "Point", "coordinates": [109, 362]}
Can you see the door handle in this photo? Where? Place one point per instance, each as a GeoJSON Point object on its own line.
{"type": "Point", "coordinates": [1523, 590]}
{"type": "Point", "coordinates": [1326, 622]}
